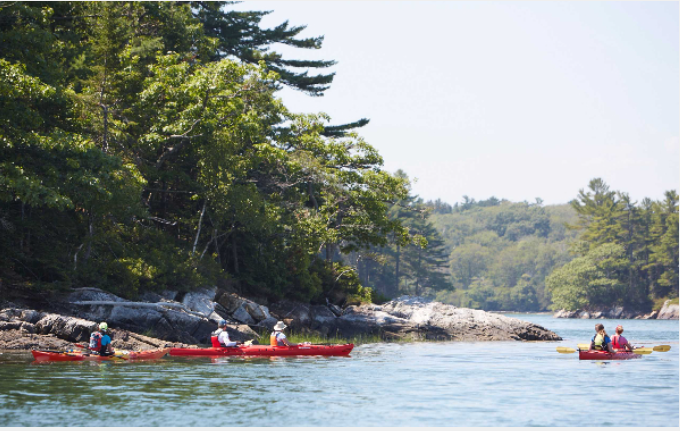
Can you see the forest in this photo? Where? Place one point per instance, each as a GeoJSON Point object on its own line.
{"type": "Point", "coordinates": [144, 147]}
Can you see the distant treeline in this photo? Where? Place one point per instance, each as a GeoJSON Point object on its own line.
{"type": "Point", "coordinates": [627, 252]}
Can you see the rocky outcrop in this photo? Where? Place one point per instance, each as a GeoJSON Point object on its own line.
{"type": "Point", "coordinates": [166, 323]}
{"type": "Point", "coordinates": [409, 317]}
{"type": "Point", "coordinates": [617, 313]}
{"type": "Point", "coordinates": [22, 329]}
{"type": "Point", "coordinates": [669, 311]}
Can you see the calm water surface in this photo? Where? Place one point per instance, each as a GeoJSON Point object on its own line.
{"type": "Point", "coordinates": [415, 384]}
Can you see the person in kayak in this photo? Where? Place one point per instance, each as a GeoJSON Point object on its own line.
{"type": "Point", "coordinates": [601, 340]}
{"type": "Point", "coordinates": [100, 341]}
{"type": "Point", "coordinates": [278, 338]}
{"type": "Point", "coordinates": [619, 342]}
{"type": "Point", "coordinates": [223, 336]}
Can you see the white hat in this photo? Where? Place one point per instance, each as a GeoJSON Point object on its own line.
{"type": "Point", "coordinates": [280, 326]}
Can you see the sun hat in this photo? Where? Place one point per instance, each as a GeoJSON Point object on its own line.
{"type": "Point", "coordinates": [103, 326]}
{"type": "Point", "coordinates": [280, 326]}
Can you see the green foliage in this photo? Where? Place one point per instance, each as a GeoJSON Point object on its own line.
{"type": "Point", "coordinates": [143, 147]}
{"type": "Point", "coordinates": [628, 251]}
{"type": "Point", "coordinates": [499, 252]}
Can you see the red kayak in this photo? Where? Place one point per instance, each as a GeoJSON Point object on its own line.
{"type": "Point", "coordinates": [83, 356]}
{"type": "Point", "coordinates": [256, 350]}
{"type": "Point", "coordinates": [598, 355]}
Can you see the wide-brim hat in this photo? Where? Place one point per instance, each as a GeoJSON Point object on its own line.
{"type": "Point", "coordinates": [280, 326]}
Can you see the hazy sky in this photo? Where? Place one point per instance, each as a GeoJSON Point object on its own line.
{"type": "Point", "coordinates": [512, 99]}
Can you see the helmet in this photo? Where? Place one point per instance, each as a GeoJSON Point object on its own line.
{"type": "Point", "coordinates": [223, 323]}
{"type": "Point", "coordinates": [103, 326]}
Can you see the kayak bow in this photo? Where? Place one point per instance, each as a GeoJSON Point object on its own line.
{"type": "Point", "coordinates": [41, 355]}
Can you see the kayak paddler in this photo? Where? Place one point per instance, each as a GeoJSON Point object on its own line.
{"type": "Point", "coordinates": [278, 338]}
{"type": "Point", "coordinates": [223, 335]}
{"type": "Point", "coordinates": [619, 342]}
{"type": "Point", "coordinates": [601, 340]}
{"type": "Point", "coordinates": [100, 341]}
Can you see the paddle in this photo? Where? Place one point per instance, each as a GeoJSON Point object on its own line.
{"type": "Point", "coordinates": [641, 351]}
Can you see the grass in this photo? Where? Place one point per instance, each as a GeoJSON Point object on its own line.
{"type": "Point", "coordinates": [659, 303]}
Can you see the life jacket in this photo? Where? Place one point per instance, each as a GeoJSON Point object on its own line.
{"type": "Point", "coordinates": [615, 342]}
{"type": "Point", "coordinates": [599, 342]}
{"type": "Point", "coordinates": [214, 341]}
{"type": "Point", "coordinates": [274, 340]}
{"type": "Point", "coordinates": [96, 341]}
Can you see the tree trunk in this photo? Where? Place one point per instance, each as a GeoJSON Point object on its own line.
{"type": "Point", "coordinates": [396, 271]}
{"type": "Point", "coordinates": [200, 221]}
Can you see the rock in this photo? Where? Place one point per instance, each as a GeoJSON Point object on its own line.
{"type": "Point", "coordinates": [296, 311]}
{"type": "Point", "coordinates": [268, 323]}
{"type": "Point", "coordinates": [335, 309]}
{"type": "Point", "coordinates": [584, 315]}
{"type": "Point", "coordinates": [596, 315]}
{"type": "Point", "coordinates": [421, 318]}
{"type": "Point", "coordinates": [668, 311]}
{"type": "Point", "coordinates": [241, 333]}
{"type": "Point", "coordinates": [242, 315]}
{"type": "Point", "coordinates": [230, 301]}
{"type": "Point", "coordinates": [171, 325]}
{"type": "Point", "coordinates": [615, 313]}
{"type": "Point", "coordinates": [649, 316]}
{"type": "Point", "coordinates": [201, 301]}
{"type": "Point", "coordinates": [25, 327]}
{"type": "Point", "coordinates": [257, 312]}
{"type": "Point", "coordinates": [64, 327]}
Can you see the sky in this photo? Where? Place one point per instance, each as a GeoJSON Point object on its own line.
{"type": "Point", "coordinates": [510, 99]}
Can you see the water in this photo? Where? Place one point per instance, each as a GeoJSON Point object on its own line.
{"type": "Point", "coordinates": [414, 384]}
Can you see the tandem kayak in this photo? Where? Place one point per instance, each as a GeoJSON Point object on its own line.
{"type": "Point", "coordinates": [40, 355]}
{"type": "Point", "coordinates": [598, 355]}
{"type": "Point", "coordinates": [257, 350]}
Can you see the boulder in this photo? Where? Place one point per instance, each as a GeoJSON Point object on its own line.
{"type": "Point", "coordinates": [168, 324]}
{"type": "Point", "coordinates": [230, 302]}
{"type": "Point", "coordinates": [335, 309]}
{"type": "Point", "coordinates": [256, 311]}
{"type": "Point", "coordinates": [297, 312]}
{"type": "Point", "coordinates": [66, 328]}
{"type": "Point", "coordinates": [201, 300]}
{"type": "Point", "coordinates": [268, 323]}
{"type": "Point", "coordinates": [649, 316]}
{"type": "Point", "coordinates": [668, 311]}
{"type": "Point", "coordinates": [242, 315]}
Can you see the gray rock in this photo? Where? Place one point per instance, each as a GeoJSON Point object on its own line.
{"type": "Point", "coordinates": [201, 301]}
{"type": "Point", "coordinates": [668, 311]}
{"type": "Point", "coordinates": [268, 323]}
{"type": "Point", "coordinates": [242, 315]}
{"type": "Point", "coordinates": [256, 311]}
{"type": "Point", "coordinates": [230, 301]}
{"type": "Point", "coordinates": [297, 312]}
{"type": "Point", "coordinates": [67, 328]}
{"type": "Point", "coordinates": [335, 309]}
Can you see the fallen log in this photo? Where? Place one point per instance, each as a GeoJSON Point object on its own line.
{"type": "Point", "coordinates": [154, 305]}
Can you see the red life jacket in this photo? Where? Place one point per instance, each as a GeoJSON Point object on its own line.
{"type": "Point", "coordinates": [96, 341]}
{"type": "Point", "coordinates": [615, 342]}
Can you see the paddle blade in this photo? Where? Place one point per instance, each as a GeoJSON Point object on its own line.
{"type": "Point", "coordinates": [583, 346]}
{"type": "Point", "coordinates": [662, 348]}
{"type": "Point", "coordinates": [566, 350]}
{"type": "Point", "coordinates": [643, 351]}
